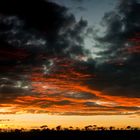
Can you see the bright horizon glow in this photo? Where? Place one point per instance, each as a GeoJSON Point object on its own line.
{"type": "Point", "coordinates": [29, 121]}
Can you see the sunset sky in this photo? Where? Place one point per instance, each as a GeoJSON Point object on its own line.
{"type": "Point", "coordinates": [69, 62]}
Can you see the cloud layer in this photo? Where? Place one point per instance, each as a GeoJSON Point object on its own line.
{"type": "Point", "coordinates": [45, 68]}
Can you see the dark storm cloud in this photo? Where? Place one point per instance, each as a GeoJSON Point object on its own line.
{"type": "Point", "coordinates": [34, 22]}
{"type": "Point", "coordinates": [31, 31]}
{"type": "Point", "coordinates": [10, 89]}
{"type": "Point", "coordinates": [119, 62]}
{"type": "Point", "coordinates": [42, 52]}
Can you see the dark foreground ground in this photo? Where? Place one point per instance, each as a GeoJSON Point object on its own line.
{"type": "Point", "coordinates": [71, 135]}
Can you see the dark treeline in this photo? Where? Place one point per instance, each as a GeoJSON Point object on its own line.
{"type": "Point", "coordinates": [91, 132]}
{"type": "Point", "coordinates": [70, 128]}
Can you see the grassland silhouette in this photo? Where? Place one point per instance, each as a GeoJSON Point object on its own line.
{"type": "Point", "coordinates": [90, 132]}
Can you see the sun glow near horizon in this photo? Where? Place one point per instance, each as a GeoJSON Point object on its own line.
{"type": "Point", "coordinates": [30, 121]}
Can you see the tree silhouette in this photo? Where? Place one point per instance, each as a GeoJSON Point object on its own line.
{"type": "Point", "coordinates": [58, 128]}
{"type": "Point", "coordinates": [89, 127]}
{"type": "Point", "coordinates": [128, 127]}
{"type": "Point", "coordinates": [71, 128]}
{"type": "Point", "coordinates": [94, 127]}
{"type": "Point", "coordinates": [44, 127]}
{"type": "Point", "coordinates": [77, 128]}
{"type": "Point", "coordinates": [111, 128]}
{"type": "Point", "coordinates": [86, 128]}
{"type": "Point", "coordinates": [102, 128]}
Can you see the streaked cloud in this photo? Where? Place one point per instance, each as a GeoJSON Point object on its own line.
{"type": "Point", "coordinates": [46, 68]}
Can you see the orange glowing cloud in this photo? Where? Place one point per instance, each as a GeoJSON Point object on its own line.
{"type": "Point", "coordinates": [63, 87]}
